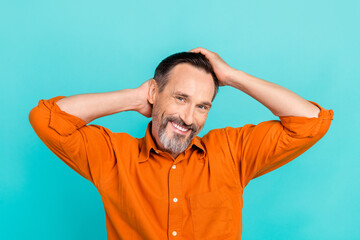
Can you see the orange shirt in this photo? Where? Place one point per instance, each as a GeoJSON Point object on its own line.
{"type": "Point", "coordinates": [149, 195]}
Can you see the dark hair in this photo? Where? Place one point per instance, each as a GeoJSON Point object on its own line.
{"type": "Point", "coordinates": [196, 59]}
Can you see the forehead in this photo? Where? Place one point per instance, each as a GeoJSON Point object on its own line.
{"type": "Point", "coordinates": [191, 80]}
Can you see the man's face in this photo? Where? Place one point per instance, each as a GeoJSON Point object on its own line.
{"type": "Point", "coordinates": [180, 110]}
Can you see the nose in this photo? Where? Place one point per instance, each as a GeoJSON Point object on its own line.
{"type": "Point", "coordinates": [187, 114]}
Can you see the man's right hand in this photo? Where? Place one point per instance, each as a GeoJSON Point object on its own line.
{"type": "Point", "coordinates": [145, 108]}
{"type": "Point", "coordinates": [91, 106]}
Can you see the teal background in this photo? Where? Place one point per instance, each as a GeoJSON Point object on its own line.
{"type": "Point", "coordinates": [53, 48]}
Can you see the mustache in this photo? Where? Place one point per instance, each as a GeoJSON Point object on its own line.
{"type": "Point", "coordinates": [180, 122]}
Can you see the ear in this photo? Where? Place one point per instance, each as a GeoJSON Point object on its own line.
{"type": "Point", "coordinates": [153, 90]}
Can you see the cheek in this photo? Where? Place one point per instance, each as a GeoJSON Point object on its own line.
{"type": "Point", "coordinates": [158, 108]}
{"type": "Point", "coordinates": [170, 109]}
{"type": "Point", "coordinates": [201, 119]}
{"type": "Point", "coordinates": [161, 111]}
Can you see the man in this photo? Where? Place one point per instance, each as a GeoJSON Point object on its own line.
{"type": "Point", "coordinates": [172, 184]}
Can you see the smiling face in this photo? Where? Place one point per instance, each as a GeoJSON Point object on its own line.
{"type": "Point", "coordinates": [180, 110]}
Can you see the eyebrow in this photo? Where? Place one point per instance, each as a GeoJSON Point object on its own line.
{"type": "Point", "coordinates": [187, 96]}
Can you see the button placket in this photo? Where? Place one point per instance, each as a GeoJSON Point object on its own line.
{"type": "Point", "coordinates": [175, 209]}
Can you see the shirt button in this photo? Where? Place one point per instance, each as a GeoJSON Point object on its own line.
{"type": "Point", "coordinates": [175, 199]}
{"type": "Point", "coordinates": [174, 166]}
{"type": "Point", "coordinates": [174, 233]}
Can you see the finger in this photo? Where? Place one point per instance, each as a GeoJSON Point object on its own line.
{"type": "Point", "coordinates": [203, 51]}
{"type": "Point", "coordinates": [199, 49]}
{"type": "Point", "coordinates": [193, 50]}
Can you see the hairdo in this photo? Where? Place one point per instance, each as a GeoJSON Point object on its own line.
{"type": "Point", "coordinates": [197, 60]}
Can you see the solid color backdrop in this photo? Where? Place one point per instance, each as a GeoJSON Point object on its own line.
{"type": "Point", "coordinates": [53, 48]}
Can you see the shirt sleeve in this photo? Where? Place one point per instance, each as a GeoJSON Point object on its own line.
{"type": "Point", "coordinates": [87, 149]}
{"type": "Point", "coordinates": [259, 149]}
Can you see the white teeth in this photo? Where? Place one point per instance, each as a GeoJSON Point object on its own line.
{"type": "Point", "coordinates": [178, 127]}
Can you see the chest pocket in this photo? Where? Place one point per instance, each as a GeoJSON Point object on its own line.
{"type": "Point", "coordinates": [212, 214]}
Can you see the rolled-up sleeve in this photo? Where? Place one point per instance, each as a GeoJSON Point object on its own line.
{"type": "Point", "coordinates": [259, 149]}
{"type": "Point", "coordinates": [87, 149]}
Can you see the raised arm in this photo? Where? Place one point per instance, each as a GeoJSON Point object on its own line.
{"type": "Point", "coordinates": [279, 100]}
{"type": "Point", "coordinates": [91, 106]}
{"type": "Point", "coordinates": [61, 124]}
{"type": "Point", "coordinates": [258, 149]}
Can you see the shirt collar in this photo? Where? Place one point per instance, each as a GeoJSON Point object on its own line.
{"type": "Point", "coordinates": [148, 144]}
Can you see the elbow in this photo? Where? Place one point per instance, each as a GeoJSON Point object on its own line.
{"type": "Point", "coordinates": [39, 119]}
{"type": "Point", "coordinates": [32, 116]}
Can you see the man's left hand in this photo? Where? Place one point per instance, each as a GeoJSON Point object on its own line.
{"type": "Point", "coordinates": [221, 69]}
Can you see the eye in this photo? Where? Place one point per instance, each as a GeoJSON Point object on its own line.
{"type": "Point", "coordinates": [203, 107]}
{"type": "Point", "coordinates": [180, 99]}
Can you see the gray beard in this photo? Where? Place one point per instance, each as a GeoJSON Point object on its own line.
{"type": "Point", "coordinates": [175, 144]}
